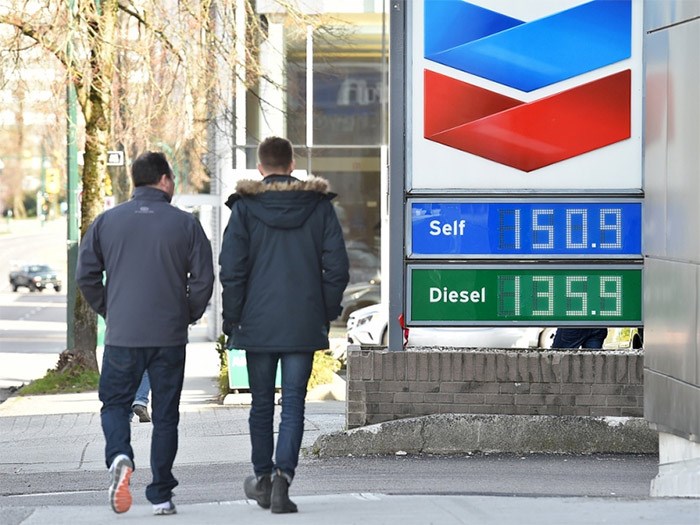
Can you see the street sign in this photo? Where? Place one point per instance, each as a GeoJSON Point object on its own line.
{"type": "Point", "coordinates": [115, 158]}
{"type": "Point", "coordinates": [534, 295]}
{"type": "Point", "coordinates": [526, 228]}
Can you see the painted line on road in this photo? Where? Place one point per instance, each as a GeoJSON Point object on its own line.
{"type": "Point", "coordinates": [34, 326]}
{"type": "Point", "coordinates": [59, 493]}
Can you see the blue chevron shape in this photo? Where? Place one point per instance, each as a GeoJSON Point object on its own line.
{"type": "Point", "coordinates": [527, 55]}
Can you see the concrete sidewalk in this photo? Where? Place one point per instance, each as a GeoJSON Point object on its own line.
{"type": "Point", "coordinates": [367, 508]}
{"type": "Point", "coordinates": [32, 426]}
{"type": "Point", "coordinates": [62, 433]}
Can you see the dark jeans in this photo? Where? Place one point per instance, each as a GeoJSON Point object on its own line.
{"type": "Point", "coordinates": [296, 370]}
{"type": "Point", "coordinates": [122, 370]}
{"type": "Point", "coordinates": [579, 337]}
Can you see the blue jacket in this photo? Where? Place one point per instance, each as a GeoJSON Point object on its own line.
{"type": "Point", "coordinates": [283, 265]}
{"type": "Point", "coordinates": [159, 270]}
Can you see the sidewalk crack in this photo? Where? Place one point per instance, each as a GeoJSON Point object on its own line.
{"type": "Point", "coordinates": [82, 455]}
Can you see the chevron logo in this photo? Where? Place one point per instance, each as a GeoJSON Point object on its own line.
{"type": "Point", "coordinates": [527, 56]}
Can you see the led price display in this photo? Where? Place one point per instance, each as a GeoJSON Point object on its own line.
{"type": "Point", "coordinates": [591, 295]}
{"type": "Point", "coordinates": [526, 229]}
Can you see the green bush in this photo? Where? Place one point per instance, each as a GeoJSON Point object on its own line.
{"type": "Point", "coordinates": [325, 366]}
{"type": "Point", "coordinates": [223, 365]}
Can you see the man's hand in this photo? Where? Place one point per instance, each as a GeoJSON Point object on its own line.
{"type": "Point", "coordinates": [228, 328]}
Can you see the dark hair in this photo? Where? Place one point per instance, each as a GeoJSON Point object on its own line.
{"type": "Point", "coordinates": [149, 167]}
{"type": "Point", "coordinates": [275, 153]}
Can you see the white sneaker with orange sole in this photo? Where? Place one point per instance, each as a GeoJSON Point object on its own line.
{"type": "Point", "coordinates": [119, 491]}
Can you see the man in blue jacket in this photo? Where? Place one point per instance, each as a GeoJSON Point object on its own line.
{"type": "Point", "coordinates": [159, 278]}
{"type": "Point", "coordinates": [284, 268]}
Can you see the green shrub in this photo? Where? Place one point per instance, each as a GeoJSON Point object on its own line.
{"type": "Point", "coordinates": [325, 366]}
{"type": "Point", "coordinates": [223, 365]}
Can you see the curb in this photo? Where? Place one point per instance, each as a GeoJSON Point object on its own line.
{"type": "Point", "coordinates": [468, 433]}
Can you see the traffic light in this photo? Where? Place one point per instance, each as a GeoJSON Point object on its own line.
{"type": "Point", "coordinates": [53, 181]}
{"type": "Point", "coordinates": [108, 185]}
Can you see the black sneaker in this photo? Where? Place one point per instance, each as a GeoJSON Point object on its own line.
{"type": "Point", "coordinates": [279, 499]}
{"type": "Point", "coordinates": [142, 413]}
{"type": "Point", "coordinates": [258, 489]}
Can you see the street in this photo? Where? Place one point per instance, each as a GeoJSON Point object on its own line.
{"type": "Point", "coordinates": [32, 324]}
{"type": "Point", "coordinates": [28, 241]}
{"type": "Point", "coordinates": [498, 474]}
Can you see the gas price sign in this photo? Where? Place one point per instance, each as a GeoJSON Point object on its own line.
{"type": "Point", "coordinates": [525, 228]}
{"type": "Point", "coordinates": [587, 295]}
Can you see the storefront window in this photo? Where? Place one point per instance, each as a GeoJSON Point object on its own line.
{"type": "Point", "coordinates": [348, 127]}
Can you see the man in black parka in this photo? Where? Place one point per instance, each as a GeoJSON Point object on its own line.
{"type": "Point", "coordinates": [284, 268]}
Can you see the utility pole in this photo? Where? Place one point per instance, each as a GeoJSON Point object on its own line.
{"type": "Point", "coordinates": [72, 192]}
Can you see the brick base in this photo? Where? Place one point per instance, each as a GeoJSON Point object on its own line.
{"type": "Point", "coordinates": [383, 385]}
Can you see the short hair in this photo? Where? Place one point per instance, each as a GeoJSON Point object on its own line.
{"type": "Point", "coordinates": [275, 153]}
{"type": "Point", "coordinates": [149, 167]}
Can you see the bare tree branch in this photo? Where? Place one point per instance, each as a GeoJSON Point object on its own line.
{"type": "Point", "coordinates": [131, 11]}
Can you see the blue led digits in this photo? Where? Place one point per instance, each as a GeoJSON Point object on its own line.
{"type": "Point", "coordinates": [525, 229]}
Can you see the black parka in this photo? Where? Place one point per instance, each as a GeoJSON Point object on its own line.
{"type": "Point", "coordinates": [283, 263]}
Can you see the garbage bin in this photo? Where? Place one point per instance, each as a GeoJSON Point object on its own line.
{"type": "Point", "coordinates": [238, 373]}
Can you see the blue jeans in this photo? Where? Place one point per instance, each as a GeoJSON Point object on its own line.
{"type": "Point", "coordinates": [122, 371]}
{"type": "Point", "coordinates": [579, 337]}
{"type": "Point", "coordinates": [143, 390]}
{"type": "Point", "coordinates": [296, 370]}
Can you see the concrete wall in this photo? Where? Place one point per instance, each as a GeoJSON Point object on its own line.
{"type": "Point", "coordinates": [383, 385]}
{"type": "Point", "coordinates": [671, 241]}
{"type": "Point", "coordinates": [672, 217]}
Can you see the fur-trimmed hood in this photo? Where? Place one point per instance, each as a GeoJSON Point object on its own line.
{"type": "Point", "coordinates": [281, 201]}
{"type": "Point", "coordinates": [278, 183]}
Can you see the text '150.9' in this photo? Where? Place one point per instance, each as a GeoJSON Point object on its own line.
{"type": "Point", "coordinates": [525, 229]}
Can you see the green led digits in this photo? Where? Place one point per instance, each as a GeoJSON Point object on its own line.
{"type": "Point", "coordinates": [576, 296]}
{"type": "Point", "coordinates": [501, 294]}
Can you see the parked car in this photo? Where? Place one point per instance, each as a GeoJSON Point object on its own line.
{"type": "Point", "coordinates": [364, 262]}
{"type": "Point", "coordinates": [369, 326]}
{"type": "Point", "coordinates": [358, 296]}
{"type": "Point", "coordinates": [36, 277]}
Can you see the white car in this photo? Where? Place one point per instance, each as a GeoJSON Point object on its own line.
{"type": "Point", "coordinates": [368, 326]}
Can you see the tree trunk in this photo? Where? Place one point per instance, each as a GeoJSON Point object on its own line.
{"type": "Point", "coordinates": [96, 107]}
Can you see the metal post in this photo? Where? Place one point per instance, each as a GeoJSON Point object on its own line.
{"type": "Point", "coordinates": [397, 170]}
{"type": "Point", "coordinates": [72, 194]}
{"type": "Point", "coordinates": [40, 211]}
{"type": "Point", "coordinates": [309, 98]}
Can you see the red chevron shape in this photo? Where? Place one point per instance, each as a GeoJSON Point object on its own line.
{"type": "Point", "coordinates": [531, 135]}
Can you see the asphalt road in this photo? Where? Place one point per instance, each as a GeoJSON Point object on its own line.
{"type": "Point", "coordinates": [498, 474]}
{"type": "Point", "coordinates": [32, 324]}
{"type": "Point", "coordinates": [27, 241]}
